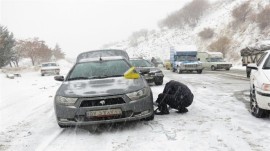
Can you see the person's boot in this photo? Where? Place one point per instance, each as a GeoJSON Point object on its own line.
{"type": "Point", "coordinates": [182, 110]}
{"type": "Point", "coordinates": [162, 110]}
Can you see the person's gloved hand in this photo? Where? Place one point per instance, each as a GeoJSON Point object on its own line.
{"type": "Point", "coordinates": [161, 95]}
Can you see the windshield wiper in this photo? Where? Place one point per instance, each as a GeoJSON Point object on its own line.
{"type": "Point", "coordinates": [78, 78]}
{"type": "Point", "coordinates": [116, 76]}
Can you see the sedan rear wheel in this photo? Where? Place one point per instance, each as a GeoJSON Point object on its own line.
{"type": "Point", "coordinates": [213, 68]}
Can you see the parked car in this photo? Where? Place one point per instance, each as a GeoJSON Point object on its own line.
{"type": "Point", "coordinates": [148, 70]}
{"type": "Point", "coordinates": [50, 68]}
{"type": "Point", "coordinates": [102, 90]}
{"type": "Point", "coordinates": [260, 86]}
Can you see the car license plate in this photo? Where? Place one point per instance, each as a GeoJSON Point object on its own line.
{"type": "Point", "coordinates": [104, 113]}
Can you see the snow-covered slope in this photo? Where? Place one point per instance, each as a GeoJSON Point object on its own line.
{"type": "Point", "coordinates": [218, 17]}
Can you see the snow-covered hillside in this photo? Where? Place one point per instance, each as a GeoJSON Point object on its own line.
{"type": "Point", "coordinates": [218, 17]}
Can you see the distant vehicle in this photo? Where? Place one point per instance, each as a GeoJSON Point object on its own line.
{"type": "Point", "coordinates": [260, 86]}
{"type": "Point", "coordinates": [50, 68]}
{"type": "Point", "coordinates": [148, 70]}
{"type": "Point", "coordinates": [167, 64]}
{"type": "Point", "coordinates": [102, 53]}
{"type": "Point", "coordinates": [213, 60]}
{"type": "Point", "coordinates": [102, 90]}
{"type": "Point", "coordinates": [253, 53]}
{"type": "Point", "coordinates": [185, 59]}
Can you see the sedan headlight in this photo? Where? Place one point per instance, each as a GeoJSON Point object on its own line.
{"type": "Point", "coordinates": [65, 101]}
{"type": "Point", "coordinates": [266, 87]}
{"type": "Point", "coordinates": [138, 94]}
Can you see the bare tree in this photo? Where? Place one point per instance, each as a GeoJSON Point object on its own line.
{"type": "Point", "coordinates": [57, 52]}
{"type": "Point", "coordinates": [220, 45]}
{"type": "Point", "coordinates": [263, 18]}
{"type": "Point", "coordinates": [241, 12]}
{"type": "Point", "coordinates": [206, 33]}
{"type": "Point", "coordinates": [36, 50]}
{"type": "Point", "coordinates": [189, 14]}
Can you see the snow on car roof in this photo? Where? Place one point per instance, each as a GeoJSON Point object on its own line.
{"type": "Point", "coordinates": [103, 58]}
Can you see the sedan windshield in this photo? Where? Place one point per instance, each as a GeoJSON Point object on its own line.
{"type": "Point", "coordinates": [99, 69]}
{"type": "Point", "coordinates": [267, 63]}
{"type": "Point", "coordinates": [216, 60]}
{"type": "Point", "coordinates": [141, 63]}
{"type": "Point", "coordinates": [186, 58]}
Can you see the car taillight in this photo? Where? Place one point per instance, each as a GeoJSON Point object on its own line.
{"type": "Point", "coordinates": [266, 87]}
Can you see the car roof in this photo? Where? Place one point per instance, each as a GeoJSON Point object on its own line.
{"type": "Point", "coordinates": [102, 58]}
{"type": "Point", "coordinates": [102, 53]}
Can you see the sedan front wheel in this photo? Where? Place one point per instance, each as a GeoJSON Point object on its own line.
{"type": "Point", "coordinates": [254, 108]}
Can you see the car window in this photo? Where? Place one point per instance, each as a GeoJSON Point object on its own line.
{"type": "Point", "coordinates": [261, 59]}
{"type": "Point", "coordinates": [100, 69]}
{"type": "Point", "coordinates": [49, 64]}
{"type": "Point", "coordinates": [141, 63]}
{"type": "Point", "coordinates": [267, 63]}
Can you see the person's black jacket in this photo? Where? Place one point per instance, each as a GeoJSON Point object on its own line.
{"type": "Point", "coordinates": [177, 94]}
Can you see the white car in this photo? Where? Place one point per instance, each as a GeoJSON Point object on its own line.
{"type": "Point", "coordinates": [260, 86]}
{"type": "Point", "coordinates": [49, 68]}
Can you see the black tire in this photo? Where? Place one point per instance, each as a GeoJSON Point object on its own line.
{"type": "Point", "coordinates": [173, 70]}
{"type": "Point", "coordinates": [150, 118]}
{"type": "Point", "coordinates": [254, 108]}
{"type": "Point", "coordinates": [159, 82]}
{"type": "Point", "coordinates": [213, 68]}
{"type": "Point", "coordinates": [42, 74]}
{"type": "Point", "coordinates": [199, 71]}
{"type": "Point", "coordinates": [227, 68]}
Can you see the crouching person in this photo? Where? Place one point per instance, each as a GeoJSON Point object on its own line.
{"type": "Point", "coordinates": [175, 94]}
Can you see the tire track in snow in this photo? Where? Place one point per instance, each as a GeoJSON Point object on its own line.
{"type": "Point", "coordinates": [45, 143]}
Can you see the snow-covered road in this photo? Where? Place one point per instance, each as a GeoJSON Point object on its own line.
{"type": "Point", "coordinates": [218, 119]}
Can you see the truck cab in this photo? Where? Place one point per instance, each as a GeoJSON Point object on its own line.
{"type": "Point", "coordinates": [185, 61]}
{"type": "Point", "coordinates": [213, 60]}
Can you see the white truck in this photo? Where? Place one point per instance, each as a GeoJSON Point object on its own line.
{"type": "Point", "coordinates": [213, 60]}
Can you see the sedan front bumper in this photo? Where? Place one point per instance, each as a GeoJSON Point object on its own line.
{"type": "Point", "coordinates": [77, 115]}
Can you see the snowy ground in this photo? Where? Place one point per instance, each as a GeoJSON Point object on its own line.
{"type": "Point", "coordinates": [218, 119]}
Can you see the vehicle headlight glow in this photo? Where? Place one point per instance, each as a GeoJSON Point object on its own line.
{"type": "Point", "coordinates": [266, 87]}
{"type": "Point", "coordinates": [138, 94]}
{"type": "Point", "coordinates": [65, 101]}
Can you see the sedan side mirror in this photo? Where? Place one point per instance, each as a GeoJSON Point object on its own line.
{"type": "Point", "coordinates": [59, 78]}
{"type": "Point", "coordinates": [252, 66]}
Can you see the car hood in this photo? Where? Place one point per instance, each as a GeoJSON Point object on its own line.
{"type": "Point", "coordinates": [267, 74]}
{"type": "Point", "coordinates": [152, 69]}
{"type": "Point", "coordinates": [100, 87]}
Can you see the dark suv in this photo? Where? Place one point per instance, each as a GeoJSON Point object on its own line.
{"type": "Point", "coordinates": [148, 70]}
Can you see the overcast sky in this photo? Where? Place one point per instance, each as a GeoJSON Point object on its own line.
{"type": "Point", "coordinates": [82, 25]}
